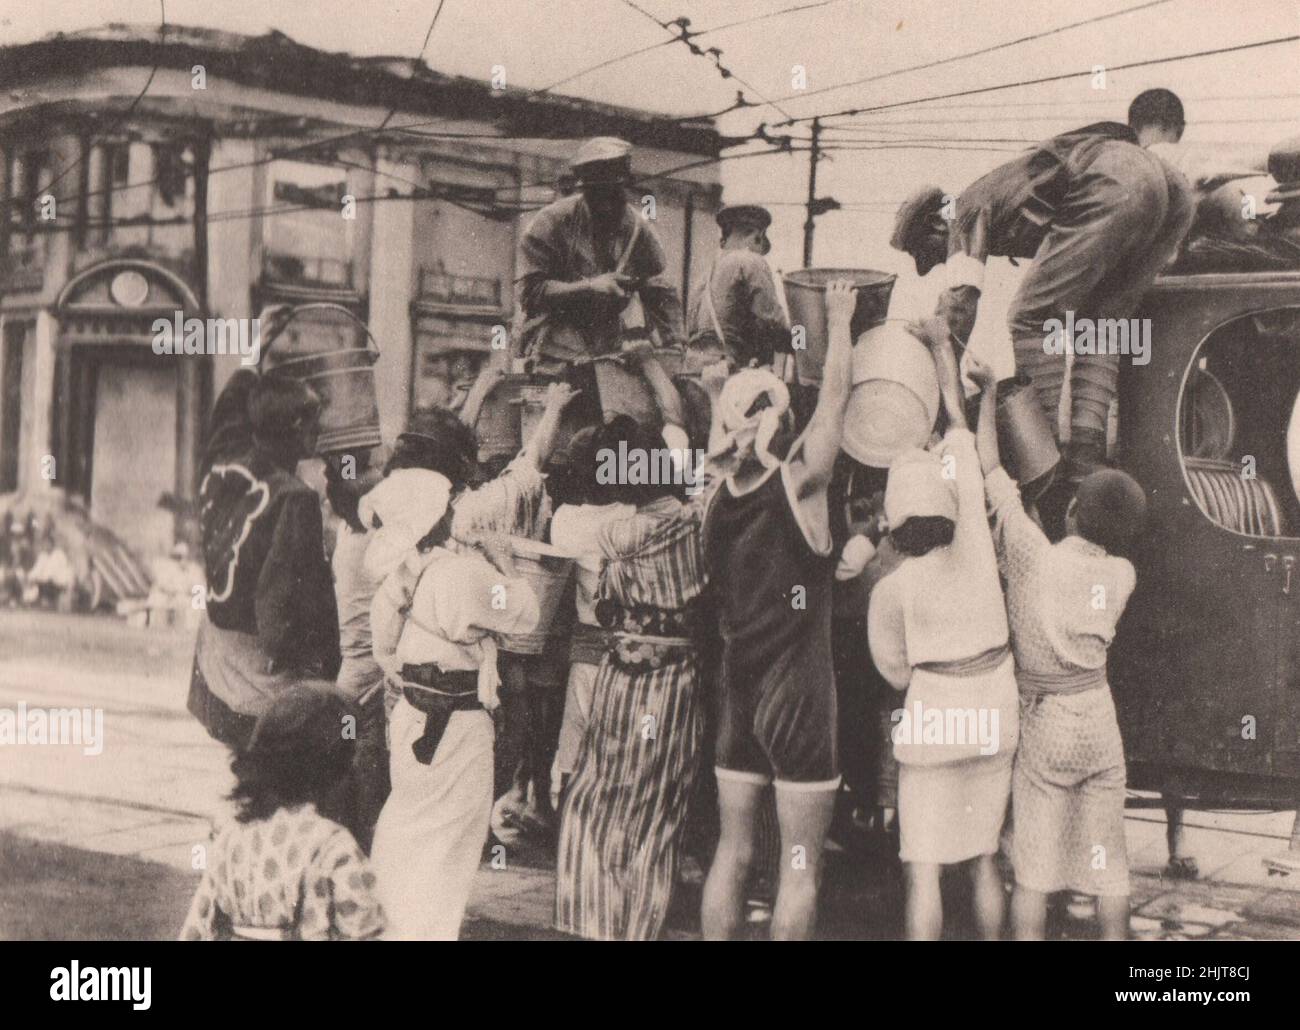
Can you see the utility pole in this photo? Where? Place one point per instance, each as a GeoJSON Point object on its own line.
{"type": "Point", "coordinates": [809, 225]}
{"type": "Point", "coordinates": [816, 205]}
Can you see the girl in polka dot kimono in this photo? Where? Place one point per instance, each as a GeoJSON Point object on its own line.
{"type": "Point", "coordinates": [283, 869]}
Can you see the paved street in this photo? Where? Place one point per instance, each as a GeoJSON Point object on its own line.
{"type": "Point", "coordinates": [96, 846]}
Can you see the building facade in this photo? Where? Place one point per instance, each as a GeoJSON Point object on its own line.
{"type": "Point", "coordinates": [209, 175]}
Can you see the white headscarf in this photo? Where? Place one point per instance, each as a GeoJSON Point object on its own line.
{"type": "Point", "coordinates": [739, 394]}
{"type": "Point", "coordinates": [400, 511]}
{"type": "Point", "coordinates": [917, 487]}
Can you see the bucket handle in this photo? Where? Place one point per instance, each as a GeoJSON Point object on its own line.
{"type": "Point", "coordinates": [373, 344]}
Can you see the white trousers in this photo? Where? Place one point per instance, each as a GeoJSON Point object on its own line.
{"type": "Point", "coordinates": [432, 829]}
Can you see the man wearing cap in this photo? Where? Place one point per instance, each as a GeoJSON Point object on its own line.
{"type": "Point", "coordinates": [583, 258]}
{"type": "Point", "coordinates": [735, 311]}
{"type": "Point", "coordinates": [1099, 215]}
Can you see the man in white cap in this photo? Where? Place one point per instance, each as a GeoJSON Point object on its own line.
{"type": "Point", "coordinates": [584, 257]}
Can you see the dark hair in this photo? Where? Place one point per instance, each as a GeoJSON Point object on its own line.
{"type": "Point", "coordinates": [571, 474]}
{"type": "Point", "coordinates": [1110, 510]}
{"type": "Point", "coordinates": [923, 533]}
{"type": "Point", "coordinates": [633, 438]}
{"type": "Point", "coordinates": [277, 406]}
{"type": "Point", "coordinates": [436, 439]}
{"type": "Point", "coordinates": [855, 485]}
{"type": "Point", "coordinates": [344, 495]}
{"type": "Point", "coordinates": [1159, 107]}
{"type": "Point", "coordinates": [298, 753]}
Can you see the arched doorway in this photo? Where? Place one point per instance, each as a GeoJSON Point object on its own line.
{"type": "Point", "coordinates": [125, 419]}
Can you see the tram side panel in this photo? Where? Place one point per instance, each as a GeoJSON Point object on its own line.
{"type": "Point", "coordinates": [1206, 666]}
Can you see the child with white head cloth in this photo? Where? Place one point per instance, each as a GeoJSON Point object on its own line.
{"type": "Point", "coordinates": [938, 630]}
{"type": "Point", "coordinates": [434, 622]}
{"type": "Point", "coordinates": [767, 547]}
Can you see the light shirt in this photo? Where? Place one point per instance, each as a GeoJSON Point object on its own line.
{"type": "Point", "coordinates": [455, 601]}
{"type": "Point", "coordinates": [576, 530]}
{"type": "Point", "coordinates": [354, 589]}
{"type": "Point", "coordinates": [748, 308]}
{"type": "Point", "coordinates": [946, 605]}
{"type": "Point", "coordinates": [52, 567]}
{"type": "Point", "coordinates": [1064, 599]}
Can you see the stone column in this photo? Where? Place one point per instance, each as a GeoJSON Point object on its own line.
{"type": "Point", "coordinates": [391, 276]}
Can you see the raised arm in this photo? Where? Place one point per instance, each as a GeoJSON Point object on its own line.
{"type": "Point", "coordinates": [641, 353]}
{"type": "Point", "coordinates": [821, 440]}
{"type": "Point", "coordinates": [933, 332]}
{"type": "Point", "coordinates": [541, 444]}
{"type": "Point", "coordinates": [488, 376]}
{"type": "Point", "coordinates": [986, 433]}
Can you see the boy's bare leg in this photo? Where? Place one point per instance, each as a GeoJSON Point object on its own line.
{"type": "Point", "coordinates": [723, 905]}
{"type": "Point", "coordinates": [990, 898]}
{"type": "Point", "coordinates": [1028, 914]}
{"type": "Point", "coordinates": [805, 819]}
{"type": "Point", "coordinates": [923, 905]}
{"type": "Point", "coordinates": [1112, 914]}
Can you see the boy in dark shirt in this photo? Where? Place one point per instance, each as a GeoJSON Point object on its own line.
{"type": "Point", "coordinates": [271, 614]}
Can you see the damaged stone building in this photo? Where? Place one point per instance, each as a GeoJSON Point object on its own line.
{"type": "Point", "coordinates": [206, 174]}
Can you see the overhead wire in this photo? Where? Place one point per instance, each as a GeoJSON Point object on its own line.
{"type": "Point", "coordinates": [617, 59]}
{"type": "Point", "coordinates": [952, 59]}
{"type": "Point", "coordinates": [975, 91]}
{"type": "Point", "coordinates": [684, 35]}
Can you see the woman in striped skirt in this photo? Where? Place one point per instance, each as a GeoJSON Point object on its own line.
{"type": "Point", "coordinates": [620, 830]}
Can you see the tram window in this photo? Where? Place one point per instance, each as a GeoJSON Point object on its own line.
{"type": "Point", "coordinates": [1239, 424]}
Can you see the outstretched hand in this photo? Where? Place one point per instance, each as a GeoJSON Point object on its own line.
{"type": "Point", "coordinates": [980, 372]}
{"type": "Point", "coordinates": [933, 332]}
{"type": "Point", "coordinates": [559, 395]}
{"type": "Point", "coordinates": [841, 299]}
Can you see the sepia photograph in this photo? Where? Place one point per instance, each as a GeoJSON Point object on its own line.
{"type": "Point", "coordinates": [650, 470]}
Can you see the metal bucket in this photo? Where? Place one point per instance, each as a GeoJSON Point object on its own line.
{"type": "Point", "coordinates": [805, 293]}
{"type": "Point", "coordinates": [623, 392]}
{"type": "Point", "coordinates": [895, 397]}
{"type": "Point", "coordinates": [547, 570]}
{"type": "Point", "coordinates": [343, 378]}
{"type": "Point", "coordinates": [1025, 437]}
{"type": "Point", "coordinates": [497, 428]}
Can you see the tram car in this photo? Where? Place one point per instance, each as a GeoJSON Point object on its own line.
{"type": "Point", "coordinates": [1206, 664]}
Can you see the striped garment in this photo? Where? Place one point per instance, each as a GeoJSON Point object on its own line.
{"type": "Point", "coordinates": [620, 829]}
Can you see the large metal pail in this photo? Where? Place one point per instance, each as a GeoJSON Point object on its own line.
{"type": "Point", "coordinates": [805, 293]}
{"type": "Point", "coordinates": [895, 398]}
{"type": "Point", "coordinates": [1025, 437]}
{"type": "Point", "coordinates": [343, 377]}
{"type": "Point", "coordinates": [547, 570]}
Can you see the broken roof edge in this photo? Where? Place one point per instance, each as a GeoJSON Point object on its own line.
{"type": "Point", "coordinates": [276, 62]}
